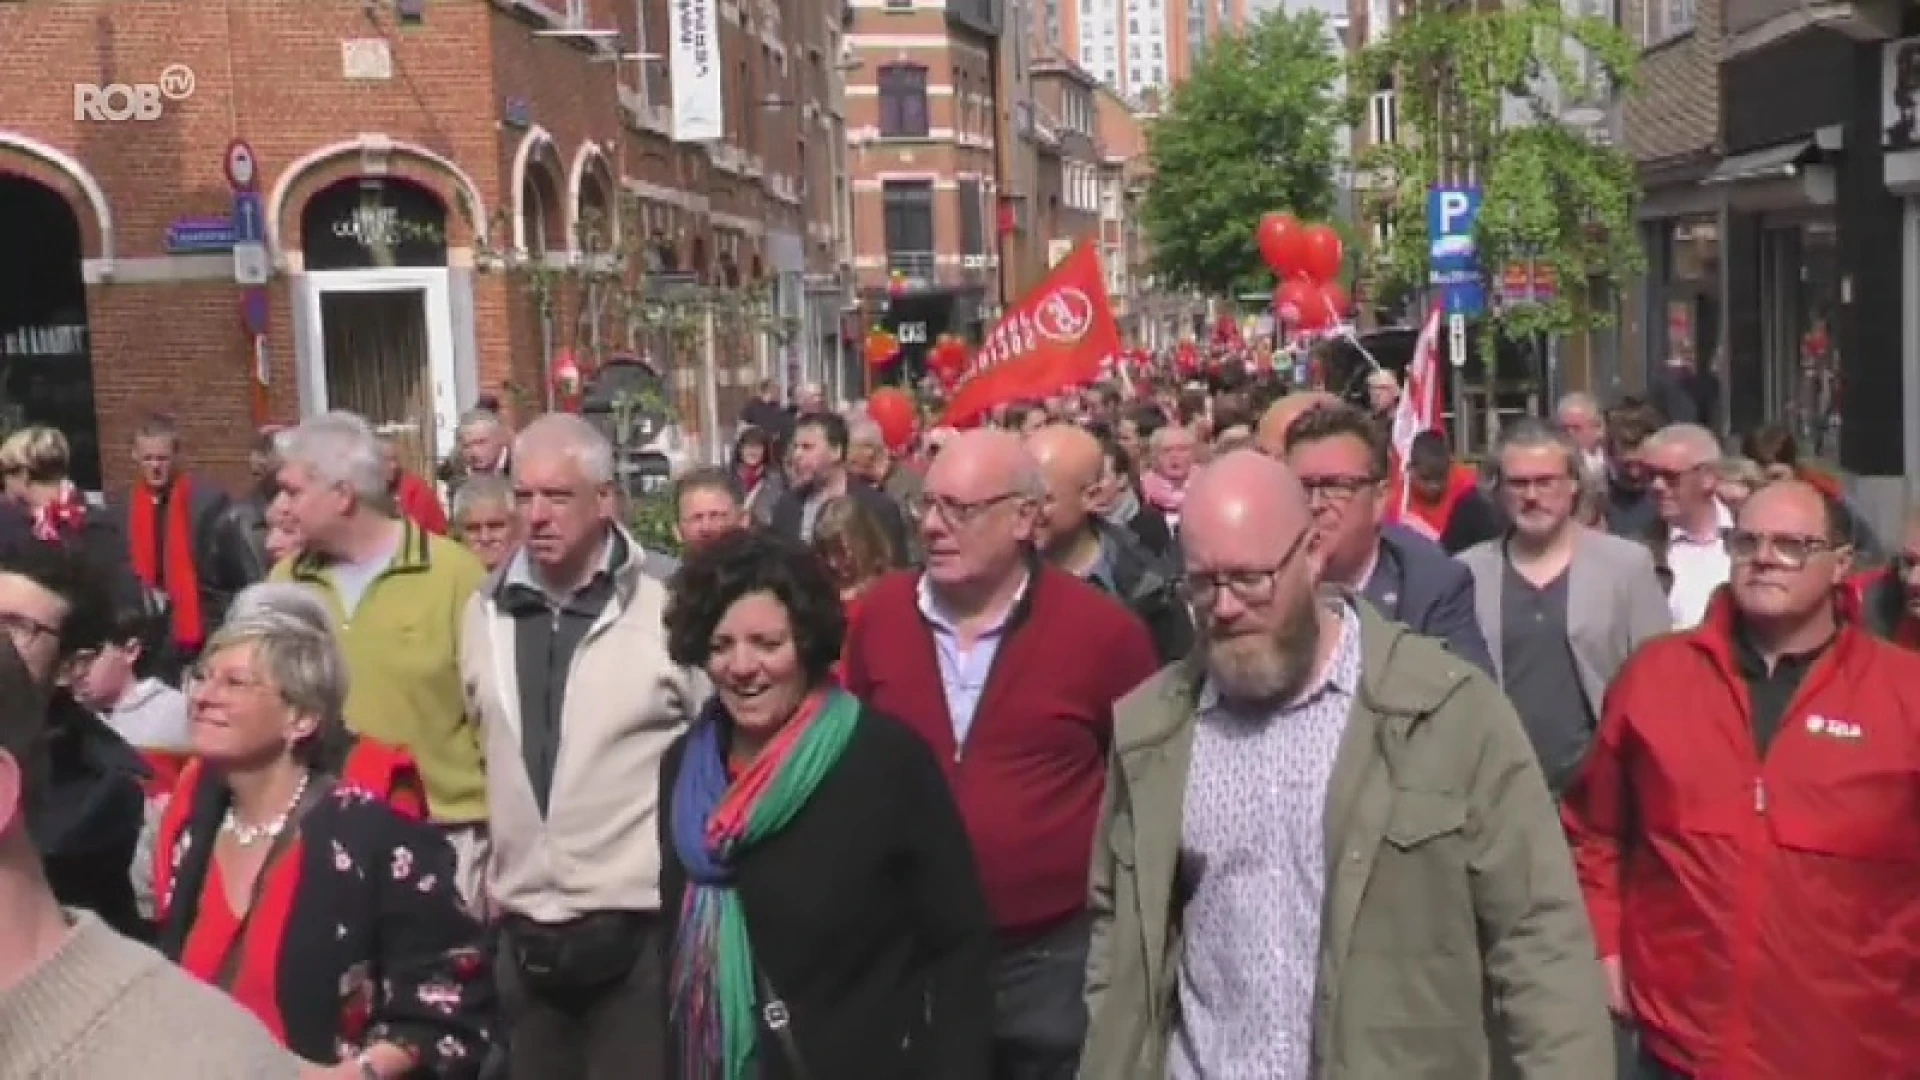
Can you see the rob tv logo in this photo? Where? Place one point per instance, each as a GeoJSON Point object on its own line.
{"type": "Point", "coordinates": [132, 101]}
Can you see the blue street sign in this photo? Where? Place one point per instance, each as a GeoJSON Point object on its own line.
{"type": "Point", "coordinates": [249, 218]}
{"type": "Point", "coordinates": [1453, 260]}
{"type": "Point", "coordinates": [253, 310]}
{"type": "Point", "coordinates": [199, 236]}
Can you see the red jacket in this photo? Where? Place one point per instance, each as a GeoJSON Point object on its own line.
{"type": "Point", "coordinates": [1034, 766]}
{"type": "Point", "coordinates": [1767, 912]}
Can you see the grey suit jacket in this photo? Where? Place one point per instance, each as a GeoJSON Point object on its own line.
{"type": "Point", "coordinates": [1614, 602]}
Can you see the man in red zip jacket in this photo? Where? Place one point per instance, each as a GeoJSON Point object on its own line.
{"type": "Point", "coordinates": [1747, 829]}
{"type": "Point", "coordinates": [1009, 668]}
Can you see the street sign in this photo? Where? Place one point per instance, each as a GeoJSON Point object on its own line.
{"type": "Point", "coordinates": [249, 218]}
{"type": "Point", "coordinates": [253, 310]}
{"type": "Point", "coordinates": [1457, 339]}
{"type": "Point", "coordinates": [199, 236]}
{"type": "Point", "coordinates": [241, 166]}
{"type": "Point", "coordinates": [1453, 259]}
{"type": "Point", "coordinates": [251, 265]}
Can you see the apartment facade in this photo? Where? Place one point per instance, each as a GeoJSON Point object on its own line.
{"type": "Point", "coordinates": [923, 128]}
{"type": "Point", "coordinates": [413, 167]}
{"type": "Point", "coordinates": [1139, 47]}
{"type": "Point", "coordinates": [1067, 127]}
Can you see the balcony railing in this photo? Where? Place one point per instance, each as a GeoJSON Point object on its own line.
{"type": "Point", "coordinates": [915, 266]}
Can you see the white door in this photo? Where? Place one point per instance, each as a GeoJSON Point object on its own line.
{"type": "Point", "coordinates": [381, 345]}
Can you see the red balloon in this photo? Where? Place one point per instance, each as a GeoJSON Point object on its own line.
{"type": "Point", "coordinates": [1278, 237]}
{"type": "Point", "coordinates": [1298, 304]}
{"type": "Point", "coordinates": [1336, 301]}
{"type": "Point", "coordinates": [894, 412]}
{"type": "Point", "coordinates": [1320, 253]}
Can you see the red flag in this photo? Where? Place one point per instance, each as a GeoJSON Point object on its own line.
{"type": "Point", "coordinates": [1419, 408]}
{"type": "Point", "coordinates": [1058, 336]}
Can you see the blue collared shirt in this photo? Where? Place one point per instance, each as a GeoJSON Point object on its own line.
{"type": "Point", "coordinates": [963, 672]}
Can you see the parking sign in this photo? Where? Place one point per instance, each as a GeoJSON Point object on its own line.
{"type": "Point", "coordinates": [1453, 261]}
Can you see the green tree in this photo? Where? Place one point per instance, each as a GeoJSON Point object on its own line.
{"type": "Point", "coordinates": [1250, 131]}
{"type": "Point", "coordinates": [1480, 96]}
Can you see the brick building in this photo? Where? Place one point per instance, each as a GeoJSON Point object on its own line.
{"type": "Point", "coordinates": [923, 125]}
{"type": "Point", "coordinates": [414, 171]}
{"type": "Point", "coordinates": [1067, 128]}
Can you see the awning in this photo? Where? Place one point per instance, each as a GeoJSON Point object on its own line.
{"type": "Point", "coordinates": [1772, 163]}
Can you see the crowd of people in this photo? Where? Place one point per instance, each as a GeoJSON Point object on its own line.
{"type": "Point", "coordinates": [1159, 730]}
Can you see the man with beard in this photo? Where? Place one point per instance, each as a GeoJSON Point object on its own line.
{"type": "Point", "coordinates": [1326, 839]}
{"type": "Point", "coordinates": [817, 462]}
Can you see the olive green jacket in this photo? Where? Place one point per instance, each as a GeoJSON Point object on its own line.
{"type": "Point", "coordinates": [1452, 922]}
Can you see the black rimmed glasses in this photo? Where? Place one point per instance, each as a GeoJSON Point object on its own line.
{"type": "Point", "coordinates": [1335, 490]}
{"type": "Point", "coordinates": [1252, 587]}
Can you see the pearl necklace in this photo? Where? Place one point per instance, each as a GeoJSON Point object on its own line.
{"type": "Point", "coordinates": [248, 835]}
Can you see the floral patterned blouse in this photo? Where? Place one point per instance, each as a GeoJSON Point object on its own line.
{"type": "Point", "coordinates": [355, 934]}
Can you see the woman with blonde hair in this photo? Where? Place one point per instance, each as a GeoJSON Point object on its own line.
{"type": "Point", "coordinates": [324, 911]}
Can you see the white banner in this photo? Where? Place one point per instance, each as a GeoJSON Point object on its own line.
{"type": "Point", "coordinates": [695, 70]}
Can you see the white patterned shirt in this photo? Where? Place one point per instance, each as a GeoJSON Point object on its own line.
{"type": "Point", "coordinates": [1253, 864]}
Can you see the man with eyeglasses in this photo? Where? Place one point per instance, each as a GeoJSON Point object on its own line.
{"type": "Point", "coordinates": [1563, 606]}
{"type": "Point", "coordinates": [1745, 828]}
{"type": "Point", "coordinates": [1679, 469]}
{"type": "Point", "coordinates": [87, 827]}
{"type": "Point", "coordinates": [1342, 460]}
{"type": "Point", "coordinates": [1326, 839]}
{"type": "Point", "coordinates": [1008, 667]}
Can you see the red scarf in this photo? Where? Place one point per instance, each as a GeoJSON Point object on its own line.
{"type": "Point", "coordinates": [60, 518]}
{"type": "Point", "coordinates": [179, 578]}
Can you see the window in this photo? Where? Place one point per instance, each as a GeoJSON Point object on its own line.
{"type": "Point", "coordinates": [903, 101]}
{"type": "Point", "coordinates": [1383, 118]}
{"type": "Point", "coordinates": [909, 217]}
{"type": "Point", "coordinates": [973, 238]}
{"type": "Point", "coordinates": [1667, 19]}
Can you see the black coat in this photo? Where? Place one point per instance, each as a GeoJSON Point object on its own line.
{"type": "Point", "coordinates": [223, 559]}
{"type": "Point", "coordinates": [87, 822]}
{"type": "Point", "coordinates": [790, 512]}
{"type": "Point", "coordinates": [1150, 588]}
{"type": "Point", "coordinates": [867, 918]}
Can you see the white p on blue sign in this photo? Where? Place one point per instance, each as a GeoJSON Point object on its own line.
{"type": "Point", "coordinates": [1453, 262]}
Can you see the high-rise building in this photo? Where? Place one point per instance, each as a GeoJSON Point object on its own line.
{"type": "Point", "coordinates": [1138, 47]}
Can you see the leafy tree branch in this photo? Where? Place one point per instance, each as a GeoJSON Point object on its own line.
{"type": "Point", "coordinates": [1475, 99]}
{"type": "Point", "coordinates": [1250, 131]}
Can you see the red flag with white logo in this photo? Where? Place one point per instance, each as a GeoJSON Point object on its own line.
{"type": "Point", "coordinates": [1060, 335]}
{"type": "Point", "coordinates": [1419, 408]}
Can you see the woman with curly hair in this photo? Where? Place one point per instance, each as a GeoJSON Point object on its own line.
{"type": "Point", "coordinates": [828, 919]}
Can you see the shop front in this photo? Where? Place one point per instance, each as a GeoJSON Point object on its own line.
{"type": "Point", "coordinates": [1811, 243]}
{"type": "Point", "coordinates": [1900, 143]}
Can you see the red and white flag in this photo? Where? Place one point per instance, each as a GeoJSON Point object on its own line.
{"type": "Point", "coordinates": [1419, 408]}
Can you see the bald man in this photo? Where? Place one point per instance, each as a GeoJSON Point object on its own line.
{"type": "Point", "coordinates": [1684, 817]}
{"type": "Point", "coordinates": [1451, 910]}
{"type": "Point", "coordinates": [1270, 436]}
{"type": "Point", "coordinates": [1008, 667]}
{"type": "Point", "coordinates": [1075, 538]}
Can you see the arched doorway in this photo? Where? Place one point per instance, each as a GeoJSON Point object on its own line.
{"type": "Point", "coordinates": [376, 296]}
{"type": "Point", "coordinates": [46, 359]}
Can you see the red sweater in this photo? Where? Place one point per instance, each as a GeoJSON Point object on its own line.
{"type": "Point", "coordinates": [1034, 766]}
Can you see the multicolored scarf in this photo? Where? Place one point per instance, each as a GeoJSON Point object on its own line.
{"type": "Point", "coordinates": [715, 821]}
{"type": "Point", "coordinates": [61, 517]}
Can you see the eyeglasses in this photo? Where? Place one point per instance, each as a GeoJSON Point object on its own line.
{"type": "Point", "coordinates": [24, 628]}
{"type": "Point", "coordinates": [1790, 550]}
{"type": "Point", "coordinates": [1671, 477]}
{"type": "Point", "coordinates": [1253, 588]}
{"type": "Point", "coordinates": [1335, 490]}
{"type": "Point", "coordinates": [957, 513]}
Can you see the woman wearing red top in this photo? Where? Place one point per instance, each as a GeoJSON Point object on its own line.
{"type": "Point", "coordinates": [327, 913]}
{"type": "Point", "coordinates": [855, 549]}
